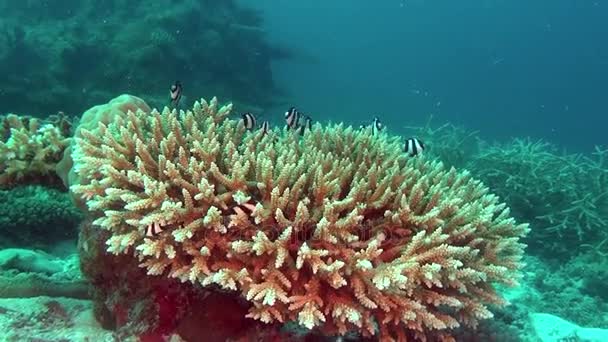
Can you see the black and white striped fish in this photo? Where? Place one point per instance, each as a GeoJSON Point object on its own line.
{"type": "Point", "coordinates": [413, 147]}
{"type": "Point", "coordinates": [175, 93]}
{"type": "Point", "coordinates": [308, 123]}
{"type": "Point", "coordinates": [265, 127]}
{"type": "Point", "coordinates": [377, 126]}
{"type": "Point", "coordinates": [292, 117]}
{"type": "Point", "coordinates": [307, 126]}
{"type": "Point", "coordinates": [249, 121]}
{"type": "Point", "coordinates": [153, 229]}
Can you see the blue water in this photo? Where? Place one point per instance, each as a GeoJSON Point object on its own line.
{"type": "Point", "coordinates": [507, 68]}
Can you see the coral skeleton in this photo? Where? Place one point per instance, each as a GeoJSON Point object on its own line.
{"type": "Point", "coordinates": [336, 229]}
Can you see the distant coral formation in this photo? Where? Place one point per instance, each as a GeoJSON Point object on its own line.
{"type": "Point", "coordinates": [68, 55]}
{"type": "Point", "coordinates": [30, 149]}
{"type": "Point", "coordinates": [36, 216]}
{"type": "Point", "coordinates": [337, 229]}
{"type": "Point", "coordinates": [563, 195]}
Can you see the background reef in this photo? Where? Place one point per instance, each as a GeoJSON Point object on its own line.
{"type": "Point", "coordinates": [563, 195]}
{"type": "Point", "coordinates": [69, 55]}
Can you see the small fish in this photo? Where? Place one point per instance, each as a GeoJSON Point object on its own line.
{"type": "Point", "coordinates": [413, 146]}
{"type": "Point", "coordinates": [308, 123]}
{"type": "Point", "coordinates": [249, 121]}
{"type": "Point", "coordinates": [307, 126]}
{"type": "Point", "coordinates": [175, 93]}
{"type": "Point", "coordinates": [376, 126]}
{"type": "Point", "coordinates": [265, 127]}
{"type": "Point", "coordinates": [153, 229]}
{"type": "Point", "coordinates": [292, 117]}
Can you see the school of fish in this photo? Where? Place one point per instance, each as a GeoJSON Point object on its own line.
{"type": "Point", "coordinates": [300, 123]}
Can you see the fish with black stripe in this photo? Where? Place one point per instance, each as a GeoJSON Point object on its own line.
{"type": "Point", "coordinates": [249, 121]}
{"type": "Point", "coordinates": [265, 127]}
{"type": "Point", "coordinates": [306, 126]}
{"type": "Point", "coordinates": [175, 93]}
{"type": "Point", "coordinates": [376, 126]}
{"type": "Point", "coordinates": [413, 147]}
{"type": "Point", "coordinates": [153, 229]}
{"type": "Point", "coordinates": [292, 118]}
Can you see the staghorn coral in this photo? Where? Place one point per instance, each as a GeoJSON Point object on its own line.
{"type": "Point", "coordinates": [336, 230]}
{"type": "Point", "coordinates": [564, 196]}
{"type": "Point", "coordinates": [30, 149]}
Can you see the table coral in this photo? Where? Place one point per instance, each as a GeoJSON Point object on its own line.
{"type": "Point", "coordinates": [336, 229]}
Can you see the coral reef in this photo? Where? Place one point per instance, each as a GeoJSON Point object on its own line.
{"type": "Point", "coordinates": [336, 229]}
{"type": "Point", "coordinates": [69, 55]}
{"type": "Point", "coordinates": [150, 308]}
{"type": "Point", "coordinates": [104, 113]}
{"type": "Point", "coordinates": [31, 148]}
{"type": "Point", "coordinates": [36, 216]}
{"type": "Point", "coordinates": [563, 196]}
{"type": "Point", "coordinates": [574, 290]}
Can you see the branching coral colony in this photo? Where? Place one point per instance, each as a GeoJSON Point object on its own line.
{"type": "Point", "coordinates": [30, 149]}
{"type": "Point", "coordinates": [336, 229]}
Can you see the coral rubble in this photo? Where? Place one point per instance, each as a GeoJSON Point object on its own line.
{"type": "Point", "coordinates": [336, 230]}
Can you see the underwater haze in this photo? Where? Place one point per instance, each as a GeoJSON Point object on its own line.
{"type": "Point", "coordinates": [504, 67]}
